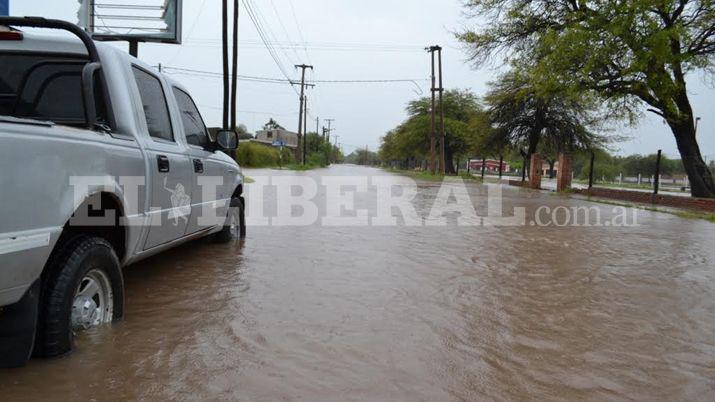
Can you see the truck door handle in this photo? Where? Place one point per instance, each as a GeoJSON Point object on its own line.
{"type": "Point", "coordinates": [198, 166]}
{"type": "Point", "coordinates": [163, 163]}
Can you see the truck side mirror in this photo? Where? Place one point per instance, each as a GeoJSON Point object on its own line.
{"type": "Point", "coordinates": [227, 140]}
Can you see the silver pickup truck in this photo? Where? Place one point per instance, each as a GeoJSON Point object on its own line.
{"type": "Point", "coordinates": [103, 162]}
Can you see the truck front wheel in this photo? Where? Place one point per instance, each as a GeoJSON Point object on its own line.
{"type": "Point", "coordinates": [84, 288]}
{"type": "Point", "coordinates": [235, 226]}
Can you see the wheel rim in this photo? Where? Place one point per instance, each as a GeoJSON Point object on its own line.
{"type": "Point", "coordinates": [234, 224]}
{"type": "Point", "coordinates": [93, 301]}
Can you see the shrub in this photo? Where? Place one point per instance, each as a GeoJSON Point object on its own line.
{"type": "Point", "coordinates": [317, 159]}
{"type": "Point", "coordinates": [251, 154]}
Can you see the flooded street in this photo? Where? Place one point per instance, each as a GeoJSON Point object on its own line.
{"type": "Point", "coordinates": [409, 313]}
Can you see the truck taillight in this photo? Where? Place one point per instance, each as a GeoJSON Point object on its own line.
{"type": "Point", "coordinates": [10, 35]}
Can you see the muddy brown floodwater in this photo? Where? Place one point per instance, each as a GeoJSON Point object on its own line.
{"type": "Point", "coordinates": [409, 313]}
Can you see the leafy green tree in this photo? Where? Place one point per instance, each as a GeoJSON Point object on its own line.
{"type": "Point", "coordinates": [243, 133]}
{"type": "Point", "coordinates": [410, 141]}
{"type": "Point", "coordinates": [634, 165]}
{"type": "Point", "coordinates": [272, 125]}
{"type": "Point", "coordinates": [524, 118]}
{"type": "Point", "coordinates": [631, 53]}
{"type": "Point", "coordinates": [320, 152]}
{"type": "Point", "coordinates": [363, 157]}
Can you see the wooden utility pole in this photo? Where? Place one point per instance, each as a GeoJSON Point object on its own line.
{"type": "Point", "coordinates": [91, 17]}
{"type": "Point", "coordinates": [224, 45]}
{"type": "Point", "coordinates": [134, 48]}
{"type": "Point", "coordinates": [442, 163]}
{"type": "Point", "coordinates": [234, 62]}
{"type": "Point", "coordinates": [305, 129]}
{"type": "Point", "coordinates": [330, 129]}
{"type": "Point", "coordinates": [234, 75]}
{"type": "Point", "coordinates": [303, 67]}
{"type": "Point", "coordinates": [433, 134]}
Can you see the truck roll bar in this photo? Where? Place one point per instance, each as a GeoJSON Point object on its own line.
{"type": "Point", "coordinates": [89, 70]}
{"type": "Point", "coordinates": [40, 22]}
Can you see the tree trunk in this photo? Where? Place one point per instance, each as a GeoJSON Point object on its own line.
{"type": "Point", "coordinates": [534, 139]}
{"type": "Point", "coordinates": [700, 177]}
{"type": "Point", "coordinates": [449, 162]}
{"type": "Point", "coordinates": [683, 127]}
{"type": "Point", "coordinates": [551, 168]}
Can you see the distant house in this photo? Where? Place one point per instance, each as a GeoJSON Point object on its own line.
{"type": "Point", "coordinates": [270, 137]}
{"type": "Point", "coordinates": [545, 169]}
{"type": "Point", "coordinates": [492, 165]}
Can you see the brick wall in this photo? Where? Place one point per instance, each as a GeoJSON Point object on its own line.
{"type": "Point", "coordinates": [700, 204]}
{"type": "Point", "coordinates": [563, 178]}
{"type": "Point", "coordinates": [535, 171]}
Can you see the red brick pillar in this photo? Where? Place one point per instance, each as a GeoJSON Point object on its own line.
{"type": "Point", "coordinates": [535, 171]}
{"type": "Point", "coordinates": [563, 176]}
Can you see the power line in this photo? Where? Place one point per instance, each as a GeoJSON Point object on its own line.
{"type": "Point", "coordinates": [191, 30]}
{"type": "Point", "coordinates": [282, 80]}
{"type": "Point", "coordinates": [411, 46]}
{"type": "Point", "coordinates": [392, 81]}
{"type": "Point", "coordinates": [358, 81]}
{"type": "Point", "coordinates": [300, 32]}
{"type": "Point", "coordinates": [266, 41]}
{"type": "Point", "coordinates": [264, 37]}
{"type": "Point", "coordinates": [266, 28]}
{"type": "Point", "coordinates": [249, 111]}
{"type": "Point", "coordinates": [285, 31]}
{"type": "Point", "coordinates": [188, 71]}
{"type": "Point", "coordinates": [318, 47]}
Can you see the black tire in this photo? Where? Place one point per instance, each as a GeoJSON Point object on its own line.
{"type": "Point", "coordinates": [238, 212]}
{"type": "Point", "coordinates": [69, 264]}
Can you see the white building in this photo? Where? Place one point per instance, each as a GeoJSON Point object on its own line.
{"type": "Point", "coordinates": [271, 137]}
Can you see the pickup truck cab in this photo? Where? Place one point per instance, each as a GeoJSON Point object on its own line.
{"type": "Point", "coordinates": [103, 162]}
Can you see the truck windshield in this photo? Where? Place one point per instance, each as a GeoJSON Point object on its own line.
{"type": "Point", "coordinates": [44, 87]}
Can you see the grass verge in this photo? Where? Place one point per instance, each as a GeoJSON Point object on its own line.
{"type": "Point", "coordinates": [301, 168]}
{"type": "Point", "coordinates": [686, 214]}
{"type": "Point", "coordinates": [427, 176]}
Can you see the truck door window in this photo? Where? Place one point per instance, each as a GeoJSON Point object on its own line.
{"type": "Point", "coordinates": [194, 126]}
{"type": "Point", "coordinates": [153, 100]}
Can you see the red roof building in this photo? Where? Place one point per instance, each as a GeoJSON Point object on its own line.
{"type": "Point", "coordinates": [492, 165]}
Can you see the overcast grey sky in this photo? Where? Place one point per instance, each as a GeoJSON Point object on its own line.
{"type": "Point", "coordinates": [346, 40]}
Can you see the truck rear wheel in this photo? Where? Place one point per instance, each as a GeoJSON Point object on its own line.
{"type": "Point", "coordinates": [84, 289]}
{"type": "Point", "coordinates": [235, 226]}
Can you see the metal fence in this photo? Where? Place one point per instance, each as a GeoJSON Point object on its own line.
{"type": "Point", "coordinates": [655, 182]}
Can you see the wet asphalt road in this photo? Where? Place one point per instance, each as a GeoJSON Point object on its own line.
{"type": "Point", "coordinates": [409, 313]}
